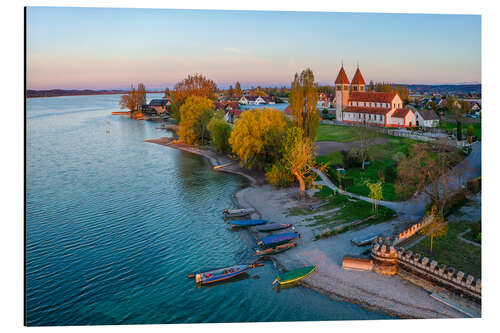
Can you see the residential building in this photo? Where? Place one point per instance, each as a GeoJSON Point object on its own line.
{"type": "Point", "coordinates": [426, 118]}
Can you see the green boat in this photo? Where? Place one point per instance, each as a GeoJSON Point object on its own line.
{"type": "Point", "coordinates": [294, 275]}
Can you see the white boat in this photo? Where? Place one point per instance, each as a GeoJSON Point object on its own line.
{"type": "Point", "coordinates": [238, 212]}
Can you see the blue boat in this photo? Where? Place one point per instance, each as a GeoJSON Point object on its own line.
{"type": "Point", "coordinates": [222, 274]}
{"type": "Point", "coordinates": [278, 239]}
{"type": "Point", "coordinates": [273, 227]}
{"type": "Point", "coordinates": [246, 223]}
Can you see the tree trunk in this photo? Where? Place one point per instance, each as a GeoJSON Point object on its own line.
{"type": "Point", "coordinates": [302, 185]}
{"type": "Point", "coordinates": [431, 242]}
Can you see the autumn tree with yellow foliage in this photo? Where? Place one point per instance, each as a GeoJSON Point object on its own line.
{"type": "Point", "coordinates": [195, 114]}
{"type": "Point", "coordinates": [194, 85]}
{"type": "Point", "coordinates": [257, 137]}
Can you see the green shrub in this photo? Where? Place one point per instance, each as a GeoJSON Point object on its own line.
{"type": "Point", "coordinates": [455, 202]}
{"type": "Point", "coordinates": [390, 174]}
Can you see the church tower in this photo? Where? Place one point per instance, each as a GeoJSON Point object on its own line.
{"type": "Point", "coordinates": [358, 83]}
{"type": "Point", "coordinates": [341, 93]}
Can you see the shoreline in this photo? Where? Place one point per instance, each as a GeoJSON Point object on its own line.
{"type": "Point", "coordinates": [390, 295]}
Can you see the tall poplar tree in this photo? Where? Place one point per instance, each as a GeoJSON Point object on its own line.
{"type": "Point", "coordinates": [303, 101]}
{"type": "Point", "coordinates": [237, 89]}
{"type": "Point", "coordinates": [141, 91]}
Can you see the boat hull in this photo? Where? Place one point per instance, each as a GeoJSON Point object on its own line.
{"type": "Point", "coordinates": [246, 223]}
{"type": "Point", "coordinates": [278, 239]}
{"type": "Point", "coordinates": [274, 227]}
{"type": "Point", "coordinates": [275, 250]}
{"type": "Point", "coordinates": [221, 274]}
{"type": "Point", "coordinates": [294, 275]}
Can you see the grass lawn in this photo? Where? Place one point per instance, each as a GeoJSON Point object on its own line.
{"type": "Point", "coordinates": [451, 251]}
{"type": "Point", "coordinates": [336, 133]}
{"type": "Point", "coordinates": [382, 157]}
{"type": "Point", "coordinates": [452, 126]}
{"type": "Point", "coordinates": [339, 210]}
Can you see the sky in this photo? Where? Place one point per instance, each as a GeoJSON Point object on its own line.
{"type": "Point", "coordinates": [111, 48]}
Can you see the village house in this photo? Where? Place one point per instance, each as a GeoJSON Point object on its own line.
{"type": "Point", "coordinates": [158, 106]}
{"type": "Point", "coordinates": [252, 100]}
{"type": "Point", "coordinates": [426, 118]}
{"type": "Point", "coordinates": [356, 105]}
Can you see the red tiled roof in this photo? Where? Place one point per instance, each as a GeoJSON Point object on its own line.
{"type": "Point", "coordinates": [400, 113]}
{"type": "Point", "coordinates": [358, 78]}
{"type": "Point", "coordinates": [236, 112]}
{"type": "Point", "coordinates": [342, 77]}
{"type": "Point", "coordinates": [365, 109]}
{"type": "Point", "coordinates": [372, 96]}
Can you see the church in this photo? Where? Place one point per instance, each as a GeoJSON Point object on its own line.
{"type": "Point", "coordinates": [356, 105]}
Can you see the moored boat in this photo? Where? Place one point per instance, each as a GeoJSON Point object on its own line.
{"type": "Point", "coordinates": [273, 227]}
{"type": "Point", "coordinates": [238, 212]}
{"type": "Point", "coordinates": [294, 275]}
{"type": "Point", "coordinates": [275, 250]}
{"type": "Point", "coordinates": [246, 223]}
{"type": "Point", "coordinates": [222, 274]}
{"type": "Point", "coordinates": [278, 239]}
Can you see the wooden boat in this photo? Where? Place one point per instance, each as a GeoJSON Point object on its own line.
{"type": "Point", "coordinates": [274, 250]}
{"type": "Point", "coordinates": [221, 274]}
{"type": "Point", "coordinates": [294, 275]}
{"type": "Point", "coordinates": [238, 212]}
{"type": "Point", "coordinates": [278, 239]}
{"type": "Point", "coordinates": [365, 240]}
{"type": "Point", "coordinates": [246, 223]}
{"type": "Point", "coordinates": [273, 227]}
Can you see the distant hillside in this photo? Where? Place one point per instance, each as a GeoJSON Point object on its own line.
{"type": "Point", "coordinates": [446, 88]}
{"type": "Point", "coordinates": [73, 92]}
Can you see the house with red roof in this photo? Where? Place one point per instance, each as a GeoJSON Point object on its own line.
{"type": "Point", "coordinates": [356, 105]}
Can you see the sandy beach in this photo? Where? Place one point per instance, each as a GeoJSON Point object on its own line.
{"type": "Point", "coordinates": [390, 294]}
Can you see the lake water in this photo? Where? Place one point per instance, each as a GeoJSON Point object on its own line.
{"type": "Point", "coordinates": [114, 224]}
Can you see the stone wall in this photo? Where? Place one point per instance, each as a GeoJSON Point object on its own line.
{"type": "Point", "coordinates": [439, 273]}
{"type": "Point", "coordinates": [407, 233]}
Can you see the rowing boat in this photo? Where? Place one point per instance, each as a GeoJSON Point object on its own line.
{"type": "Point", "coordinates": [278, 239]}
{"type": "Point", "coordinates": [273, 227]}
{"type": "Point", "coordinates": [237, 212]}
{"type": "Point", "coordinates": [294, 275]}
{"type": "Point", "coordinates": [246, 223]}
{"type": "Point", "coordinates": [222, 274]}
{"type": "Point", "coordinates": [275, 250]}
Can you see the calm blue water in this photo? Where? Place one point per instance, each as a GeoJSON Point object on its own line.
{"type": "Point", "coordinates": [114, 224]}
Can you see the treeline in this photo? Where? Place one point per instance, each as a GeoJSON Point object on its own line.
{"type": "Point", "coordinates": [262, 139]}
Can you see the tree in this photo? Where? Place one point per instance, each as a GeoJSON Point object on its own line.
{"type": "Point", "coordinates": [257, 137]}
{"type": "Point", "coordinates": [195, 114]}
{"type": "Point", "coordinates": [237, 89]}
{"type": "Point", "coordinates": [167, 93]}
{"type": "Point", "coordinates": [130, 100]}
{"type": "Point", "coordinates": [362, 146]}
{"type": "Point", "coordinates": [470, 132]}
{"type": "Point", "coordinates": [436, 228]}
{"type": "Point", "coordinates": [429, 171]}
{"type": "Point", "coordinates": [458, 112]}
{"type": "Point", "coordinates": [303, 101]}
{"type": "Point", "coordinates": [230, 92]}
{"type": "Point", "coordinates": [375, 194]}
{"type": "Point", "coordinates": [141, 91]}
{"type": "Point", "coordinates": [371, 86]}
{"type": "Point", "coordinates": [194, 85]}
{"type": "Point", "coordinates": [220, 131]}
{"type": "Point", "coordinates": [259, 92]}
{"type": "Point", "coordinates": [298, 158]}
